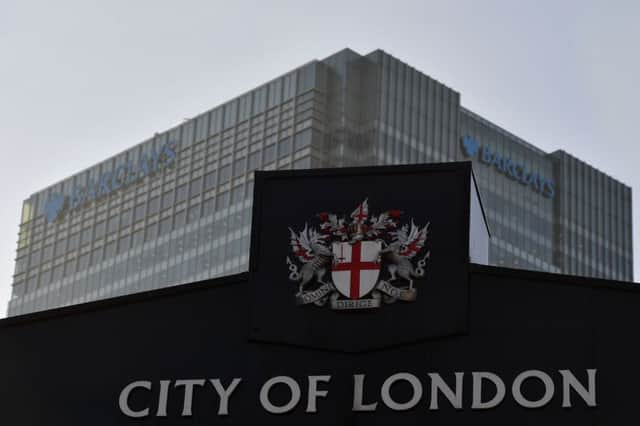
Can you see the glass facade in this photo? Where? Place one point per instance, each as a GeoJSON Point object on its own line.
{"type": "Point", "coordinates": [146, 219]}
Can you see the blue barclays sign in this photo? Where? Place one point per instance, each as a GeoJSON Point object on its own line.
{"type": "Point", "coordinates": [513, 170]}
{"type": "Point", "coordinates": [123, 175]}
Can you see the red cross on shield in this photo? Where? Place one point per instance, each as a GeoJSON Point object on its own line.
{"type": "Point", "coordinates": [356, 267]}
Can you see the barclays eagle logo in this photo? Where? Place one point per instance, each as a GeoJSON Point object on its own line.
{"type": "Point", "coordinates": [55, 206]}
{"type": "Point", "coordinates": [470, 146]}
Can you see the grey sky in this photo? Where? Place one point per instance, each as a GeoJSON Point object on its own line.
{"type": "Point", "coordinates": [82, 80]}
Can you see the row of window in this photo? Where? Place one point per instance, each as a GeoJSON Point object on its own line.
{"type": "Point", "coordinates": [113, 280]}
{"type": "Point", "coordinates": [131, 240]}
{"type": "Point", "coordinates": [173, 197]}
{"type": "Point", "coordinates": [178, 244]}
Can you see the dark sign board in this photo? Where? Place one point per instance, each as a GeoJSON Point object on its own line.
{"type": "Point", "coordinates": [355, 259]}
{"type": "Point", "coordinates": [167, 356]}
{"type": "Point", "coordinates": [498, 347]}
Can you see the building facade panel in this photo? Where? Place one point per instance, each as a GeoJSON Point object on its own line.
{"type": "Point", "coordinates": [176, 208]}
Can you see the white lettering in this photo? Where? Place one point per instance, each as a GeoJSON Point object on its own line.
{"type": "Point", "coordinates": [162, 398]}
{"type": "Point", "coordinates": [188, 393]}
{"type": "Point", "coordinates": [439, 385]}
{"type": "Point", "coordinates": [549, 388]}
{"type": "Point", "coordinates": [478, 377]}
{"type": "Point", "coordinates": [569, 381]}
{"type": "Point", "coordinates": [314, 393]}
{"type": "Point", "coordinates": [399, 406]}
{"type": "Point", "coordinates": [358, 393]}
{"type": "Point", "coordinates": [123, 401]}
{"type": "Point", "coordinates": [295, 395]}
{"type": "Point", "coordinates": [224, 394]}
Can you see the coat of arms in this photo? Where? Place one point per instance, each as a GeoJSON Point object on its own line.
{"type": "Point", "coordinates": [358, 261]}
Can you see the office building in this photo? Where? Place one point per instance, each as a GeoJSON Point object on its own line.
{"type": "Point", "coordinates": [177, 208]}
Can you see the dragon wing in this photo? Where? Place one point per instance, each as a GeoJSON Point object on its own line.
{"type": "Point", "coordinates": [301, 245]}
{"type": "Point", "coordinates": [415, 240]}
{"type": "Point", "coordinates": [401, 234]}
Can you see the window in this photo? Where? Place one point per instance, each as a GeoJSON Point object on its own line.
{"type": "Point", "coordinates": [180, 219]}
{"type": "Point", "coordinates": [165, 226]}
{"type": "Point", "coordinates": [152, 231]}
{"type": "Point", "coordinates": [138, 212]}
{"type": "Point", "coordinates": [181, 193]}
{"type": "Point", "coordinates": [138, 237]}
{"type": "Point", "coordinates": [194, 213]}
{"type": "Point", "coordinates": [123, 243]}
{"type": "Point", "coordinates": [303, 163]}
{"type": "Point", "coordinates": [126, 218]}
{"type": "Point", "coordinates": [208, 206]}
{"type": "Point", "coordinates": [96, 256]}
{"type": "Point", "coordinates": [83, 262]}
{"type": "Point", "coordinates": [254, 161]}
{"type": "Point", "coordinates": [284, 147]}
{"type": "Point", "coordinates": [58, 273]}
{"type": "Point", "coordinates": [154, 205]}
{"type": "Point", "coordinates": [112, 225]}
{"type": "Point", "coordinates": [245, 107]}
{"type": "Point", "coordinates": [269, 154]}
{"type": "Point", "coordinates": [73, 241]}
{"type": "Point", "coordinates": [99, 230]}
{"type": "Point", "coordinates": [209, 180]}
{"type": "Point", "coordinates": [195, 187]}
{"type": "Point", "coordinates": [70, 267]}
{"type": "Point", "coordinates": [275, 93]}
{"type": "Point", "coordinates": [45, 278]}
{"type": "Point", "coordinates": [302, 140]}
{"type": "Point", "coordinates": [85, 237]}
{"type": "Point", "coordinates": [225, 174]}
{"type": "Point", "coordinates": [167, 199]}
{"type": "Point", "coordinates": [259, 99]}
{"type": "Point", "coordinates": [110, 250]}
{"type": "Point", "coordinates": [230, 111]}
{"type": "Point", "coordinates": [61, 245]}
{"type": "Point", "coordinates": [238, 167]}
{"type": "Point", "coordinates": [47, 253]}
{"type": "Point", "coordinates": [222, 200]}
{"type": "Point", "coordinates": [237, 194]}
{"type": "Point", "coordinates": [306, 77]}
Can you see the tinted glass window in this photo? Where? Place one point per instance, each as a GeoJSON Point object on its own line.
{"type": "Point", "coordinates": [86, 236]}
{"type": "Point", "coordinates": [100, 229]}
{"type": "Point", "coordinates": [238, 167]}
{"type": "Point", "coordinates": [208, 206]}
{"type": "Point", "coordinates": [225, 173]}
{"type": "Point", "coordinates": [302, 139]}
{"type": "Point", "coordinates": [284, 147]}
{"type": "Point", "coordinates": [152, 231]}
{"type": "Point", "coordinates": [195, 187]}
{"type": "Point", "coordinates": [181, 193]}
{"type": "Point", "coordinates": [254, 161]}
{"type": "Point", "coordinates": [112, 224]}
{"type": "Point", "coordinates": [165, 226]}
{"type": "Point", "coordinates": [194, 213]}
{"type": "Point", "coordinates": [138, 237]}
{"type": "Point", "coordinates": [180, 219]}
{"type": "Point", "coordinates": [139, 212]}
{"type": "Point", "coordinates": [73, 241]}
{"type": "Point", "coordinates": [269, 154]}
{"type": "Point", "coordinates": [167, 199]}
{"type": "Point", "coordinates": [123, 243]}
{"type": "Point", "coordinates": [209, 180]}
{"type": "Point", "coordinates": [126, 218]}
{"type": "Point", "coordinates": [154, 205]}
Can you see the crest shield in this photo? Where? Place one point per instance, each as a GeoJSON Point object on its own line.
{"type": "Point", "coordinates": [356, 267]}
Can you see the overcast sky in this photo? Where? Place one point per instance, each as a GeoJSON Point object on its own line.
{"type": "Point", "coordinates": [83, 80]}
